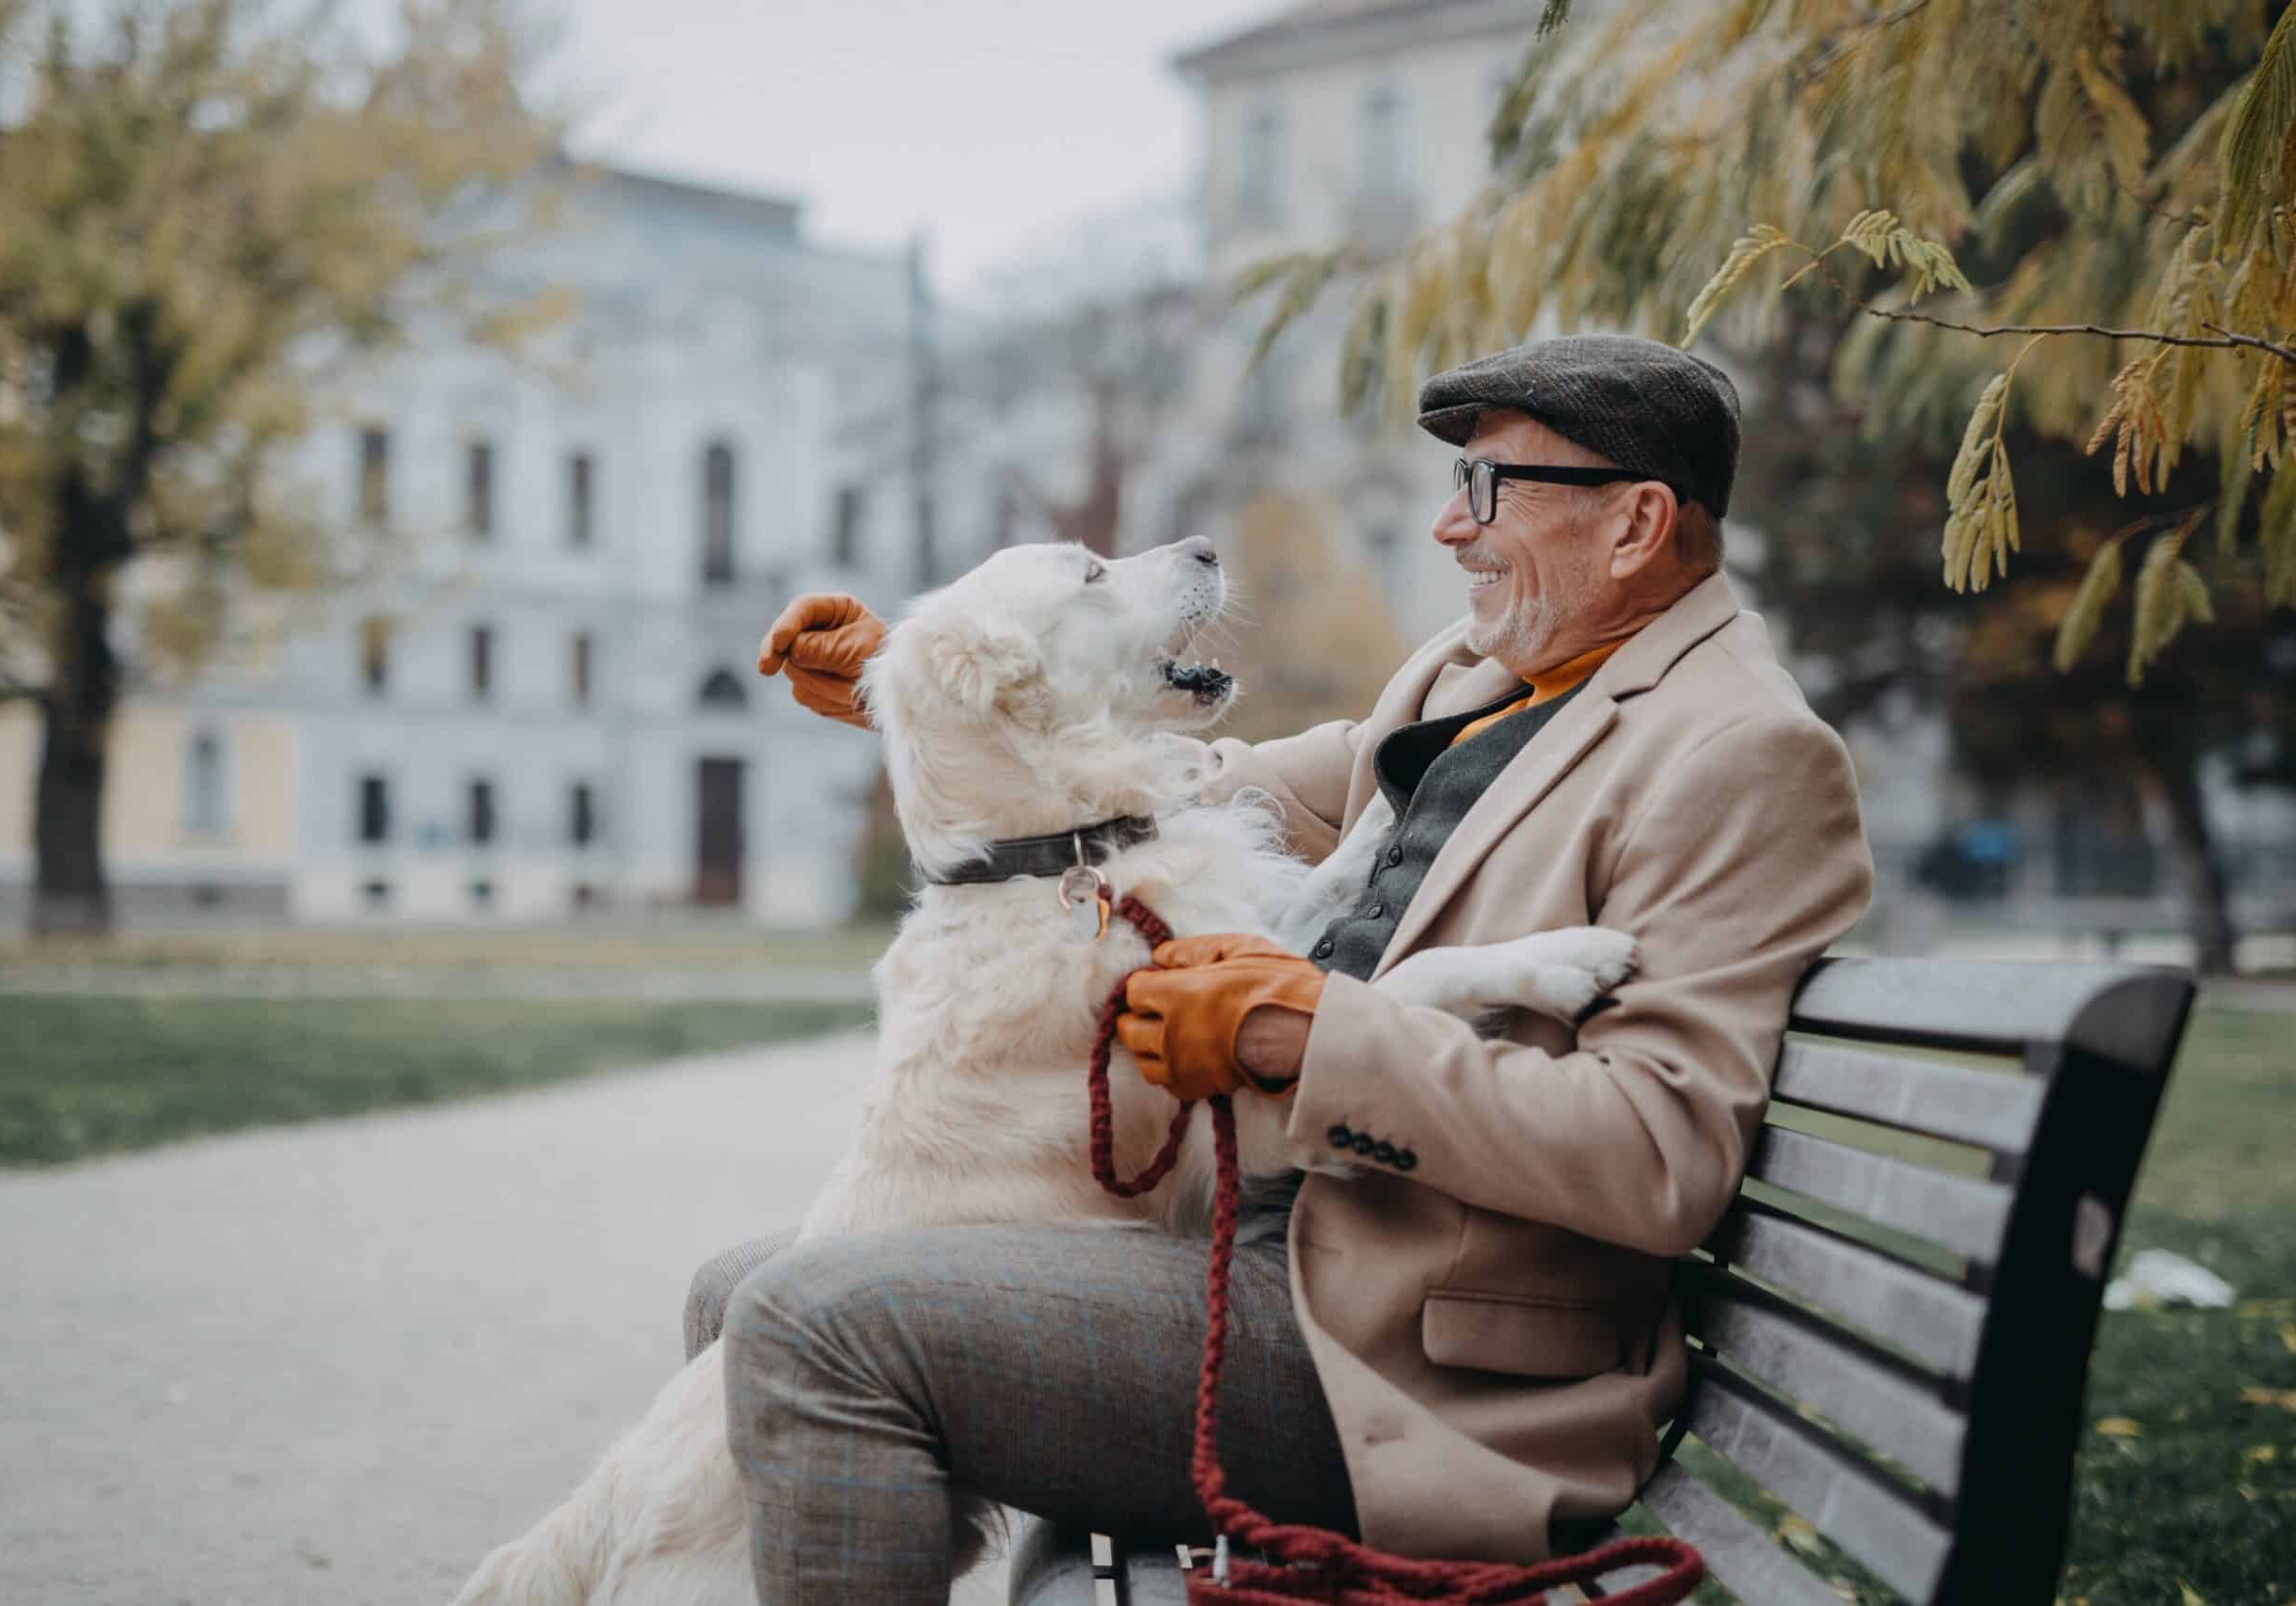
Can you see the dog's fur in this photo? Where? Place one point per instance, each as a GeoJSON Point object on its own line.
{"type": "Point", "coordinates": [1033, 695]}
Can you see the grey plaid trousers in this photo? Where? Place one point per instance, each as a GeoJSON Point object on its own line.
{"type": "Point", "coordinates": [880, 1387]}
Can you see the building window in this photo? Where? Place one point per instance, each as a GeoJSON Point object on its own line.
{"type": "Point", "coordinates": [374, 654]}
{"type": "Point", "coordinates": [481, 893]}
{"type": "Point", "coordinates": [481, 663]}
{"type": "Point", "coordinates": [582, 669]}
{"type": "Point", "coordinates": [374, 808]}
{"type": "Point", "coordinates": [722, 689]}
{"type": "Point", "coordinates": [477, 491]}
{"type": "Point", "coordinates": [579, 527]}
{"type": "Point", "coordinates": [845, 531]}
{"type": "Point", "coordinates": [374, 474]}
{"type": "Point", "coordinates": [1381, 145]}
{"type": "Point", "coordinates": [1259, 173]}
{"type": "Point", "coordinates": [582, 816]}
{"type": "Point", "coordinates": [206, 797]}
{"type": "Point", "coordinates": [481, 821]}
{"type": "Point", "coordinates": [377, 895]}
{"type": "Point", "coordinates": [585, 894]}
{"type": "Point", "coordinates": [718, 514]}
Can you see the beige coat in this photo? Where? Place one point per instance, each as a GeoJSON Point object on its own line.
{"type": "Point", "coordinates": [1494, 1331]}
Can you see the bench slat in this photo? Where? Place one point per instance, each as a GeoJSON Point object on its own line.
{"type": "Point", "coordinates": [1052, 1566]}
{"type": "Point", "coordinates": [1796, 1355]}
{"type": "Point", "coordinates": [1961, 1214]}
{"type": "Point", "coordinates": [1871, 1521]}
{"type": "Point", "coordinates": [2128, 1014]}
{"type": "Point", "coordinates": [1935, 1323]}
{"type": "Point", "coordinates": [1748, 1561]}
{"type": "Point", "coordinates": [1995, 1108]}
{"type": "Point", "coordinates": [1153, 1577]}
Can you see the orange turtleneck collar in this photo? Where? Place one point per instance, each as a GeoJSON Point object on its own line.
{"type": "Point", "coordinates": [1547, 685]}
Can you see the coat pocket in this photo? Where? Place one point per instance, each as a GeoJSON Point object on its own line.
{"type": "Point", "coordinates": [1526, 1338]}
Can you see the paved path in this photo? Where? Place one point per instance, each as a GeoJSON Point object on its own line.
{"type": "Point", "coordinates": [661, 984]}
{"type": "Point", "coordinates": [338, 1363]}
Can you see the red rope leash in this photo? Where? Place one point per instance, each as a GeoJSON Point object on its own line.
{"type": "Point", "coordinates": [1315, 1564]}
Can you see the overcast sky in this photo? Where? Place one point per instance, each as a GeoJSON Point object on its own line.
{"type": "Point", "coordinates": [997, 126]}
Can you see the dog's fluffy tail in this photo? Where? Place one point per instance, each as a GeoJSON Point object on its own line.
{"type": "Point", "coordinates": [556, 1563]}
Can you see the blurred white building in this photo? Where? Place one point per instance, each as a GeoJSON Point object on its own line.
{"type": "Point", "coordinates": [545, 696]}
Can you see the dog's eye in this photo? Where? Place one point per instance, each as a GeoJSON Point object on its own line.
{"type": "Point", "coordinates": [1093, 572]}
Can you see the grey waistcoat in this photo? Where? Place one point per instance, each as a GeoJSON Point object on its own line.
{"type": "Point", "coordinates": [1431, 785]}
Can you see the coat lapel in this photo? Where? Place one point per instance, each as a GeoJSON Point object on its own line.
{"type": "Point", "coordinates": [1555, 751]}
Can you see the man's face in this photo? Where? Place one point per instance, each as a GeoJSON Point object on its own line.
{"type": "Point", "coordinates": [1539, 564]}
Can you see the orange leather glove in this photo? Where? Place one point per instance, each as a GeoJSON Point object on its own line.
{"type": "Point", "coordinates": [1181, 1017]}
{"type": "Point", "coordinates": [823, 639]}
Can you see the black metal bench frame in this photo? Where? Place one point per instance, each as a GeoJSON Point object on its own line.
{"type": "Point", "coordinates": [1893, 1345]}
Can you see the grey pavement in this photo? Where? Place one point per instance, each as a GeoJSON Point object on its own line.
{"type": "Point", "coordinates": [684, 984]}
{"type": "Point", "coordinates": [337, 1363]}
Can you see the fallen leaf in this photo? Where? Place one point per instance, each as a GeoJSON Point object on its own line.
{"type": "Point", "coordinates": [2265, 1308]}
{"type": "Point", "coordinates": [2120, 1427]}
{"type": "Point", "coordinates": [2192, 1596]}
{"type": "Point", "coordinates": [2257, 1454]}
{"type": "Point", "coordinates": [2283, 1398]}
{"type": "Point", "coordinates": [2287, 1336]}
{"type": "Point", "coordinates": [1798, 1532]}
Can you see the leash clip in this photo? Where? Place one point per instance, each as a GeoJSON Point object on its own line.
{"type": "Point", "coordinates": [1219, 1560]}
{"type": "Point", "coordinates": [1083, 896]}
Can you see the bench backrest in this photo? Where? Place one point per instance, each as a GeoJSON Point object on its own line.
{"type": "Point", "coordinates": [1893, 1325]}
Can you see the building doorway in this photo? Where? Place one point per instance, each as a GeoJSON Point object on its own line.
{"type": "Point", "coordinates": [717, 845]}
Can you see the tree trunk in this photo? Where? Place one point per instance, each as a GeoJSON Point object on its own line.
{"type": "Point", "coordinates": [2173, 769]}
{"type": "Point", "coordinates": [71, 895]}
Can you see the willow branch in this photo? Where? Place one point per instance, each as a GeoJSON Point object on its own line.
{"type": "Point", "coordinates": [2227, 340]}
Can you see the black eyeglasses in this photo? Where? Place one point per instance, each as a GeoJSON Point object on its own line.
{"type": "Point", "coordinates": [1481, 476]}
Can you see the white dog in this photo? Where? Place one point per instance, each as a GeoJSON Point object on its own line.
{"type": "Point", "coordinates": [1045, 691]}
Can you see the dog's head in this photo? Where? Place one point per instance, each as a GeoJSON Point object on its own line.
{"type": "Point", "coordinates": [1047, 688]}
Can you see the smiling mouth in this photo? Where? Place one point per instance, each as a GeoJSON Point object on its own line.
{"type": "Point", "coordinates": [1207, 683]}
{"type": "Point", "coordinates": [1481, 580]}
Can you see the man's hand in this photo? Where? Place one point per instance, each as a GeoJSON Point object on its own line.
{"type": "Point", "coordinates": [823, 639]}
{"type": "Point", "coordinates": [1185, 1020]}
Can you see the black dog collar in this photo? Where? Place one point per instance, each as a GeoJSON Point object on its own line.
{"type": "Point", "coordinates": [1050, 855]}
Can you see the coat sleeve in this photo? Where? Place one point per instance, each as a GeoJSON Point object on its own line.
{"type": "Point", "coordinates": [1307, 774]}
{"type": "Point", "coordinates": [1738, 869]}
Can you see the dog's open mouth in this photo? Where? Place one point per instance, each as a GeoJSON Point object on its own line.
{"type": "Point", "coordinates": [1207, 683]}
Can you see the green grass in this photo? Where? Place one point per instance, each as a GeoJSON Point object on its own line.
{"type": "Point", "coordinates": [571, 945]}
{"type": "Point", "coordinates": [81, 1077]}
{"type": "Point", "coordinates": [2202, 1494]}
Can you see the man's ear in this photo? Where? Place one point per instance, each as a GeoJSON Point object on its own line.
{"type": "Point", "coordinates": [986, 672]}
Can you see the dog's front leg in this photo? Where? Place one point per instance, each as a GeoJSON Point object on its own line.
{"type": "Point", "coordinates": [1558, 972]}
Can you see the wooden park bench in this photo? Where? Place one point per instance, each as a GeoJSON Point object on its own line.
{"type": "Point", "coordinates": [1890, 1328]}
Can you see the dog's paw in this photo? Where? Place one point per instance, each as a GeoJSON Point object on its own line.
{"type": "Point", "coordinates": [1610, 956]}
{"type": "Point", "coordinates": [1565, 992]}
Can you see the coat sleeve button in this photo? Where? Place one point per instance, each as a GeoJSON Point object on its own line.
{"type": "Point", "coordinates": [1340, 1136]}
{"type": "Point", "coordinates": [1405, 1159]}
{"type": "Point", "coordinates": [1364, 1143]}
{"type": "Point", "coordinates": [1384, 1153]}
{"type": "Point", "coordinates": [1322, 949]}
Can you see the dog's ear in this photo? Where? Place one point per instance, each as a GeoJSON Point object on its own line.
{"type": "Point", "coordinates": [985, 671]}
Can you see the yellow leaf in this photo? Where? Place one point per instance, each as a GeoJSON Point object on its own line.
{"type": "Point", "coordinates": [1796, 1532]}
{"type": "Point", "coordinates": [2120, 1427]}
{"type": "Point", "coordinates": [2288, 1337]}
{"type": "Point", "coordinates": [2258, 1454]}
{"type": "Point", "coordinates": [2190, 1596]}
{"type": "Point", "coordinates": [2283, 1398]}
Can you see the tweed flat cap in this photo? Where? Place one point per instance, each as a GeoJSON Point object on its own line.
{"type": "Point", "coordinates": [1644, 405]}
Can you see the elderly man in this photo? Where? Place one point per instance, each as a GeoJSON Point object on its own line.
{"type": "Point", "coordinates": [1468, 1347]}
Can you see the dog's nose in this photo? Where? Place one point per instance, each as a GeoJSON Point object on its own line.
{"type": "Point", "coordinates": [1200, 549]}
